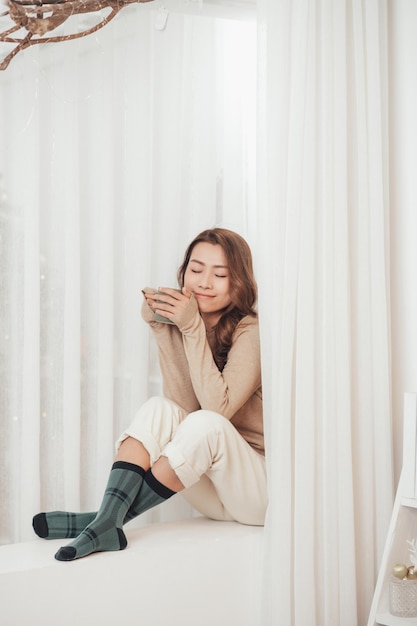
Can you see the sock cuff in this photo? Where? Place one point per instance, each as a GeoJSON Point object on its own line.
{"type": "Point", "coordinates": [129, 466]}
{"type": "Point", "coordinates": [158, 487]}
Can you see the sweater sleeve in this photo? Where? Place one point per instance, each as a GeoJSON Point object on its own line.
{"type": "Point", "coordinates": [177, 385]}
{"type": "Point", "coordinates": [227, 391]}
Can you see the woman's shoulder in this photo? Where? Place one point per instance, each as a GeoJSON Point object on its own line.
{"type": "Point", "coordinates": [249, 320]}
{"type": "Point", "coordinates": [249, 323]}
{"type": "Point", "coordinates": [246, 339]}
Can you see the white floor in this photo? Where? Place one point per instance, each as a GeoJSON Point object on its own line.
{"type": "Point", "coordinates": [192, 573]}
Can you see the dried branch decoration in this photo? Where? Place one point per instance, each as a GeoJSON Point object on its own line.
{"type": "Point", "coordinates": [32, 20]}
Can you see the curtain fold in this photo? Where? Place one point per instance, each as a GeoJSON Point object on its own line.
{"type": "Point", "coordinates": [324, 304]}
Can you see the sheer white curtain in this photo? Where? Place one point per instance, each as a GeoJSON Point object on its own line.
{"type": "Point", "coordinates": [324, 303]}
{"type": "Point", "coordinates": [115, 151]}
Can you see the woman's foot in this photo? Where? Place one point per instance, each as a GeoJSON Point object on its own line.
{"type": "Point", "coordinates": [97, 537]}
{"type": "Point", "coordinates": [61, 524]}
{"type": "Point", "coordinates": [105, 531]}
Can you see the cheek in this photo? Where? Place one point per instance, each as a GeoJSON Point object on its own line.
{"type": "Point", "coordinates": [226, 291]}
{"type": "Point", "coordinates": [188, 280]}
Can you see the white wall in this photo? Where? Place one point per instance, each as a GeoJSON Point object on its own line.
{"type": "Point", "coordinates": [403, 183]}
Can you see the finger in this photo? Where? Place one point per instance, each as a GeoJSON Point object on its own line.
{"type": "Point", "coordinates": [162, 306]}
{"type": "Point", "coordinates": [169, 291]}
{"type": "Point", "coordinates": [148, 291]}
{"type": "Point", "coordinates": [149, 294]}
{"type": "Point", "coordinates": [164, 313]}
{"type": "Point", "coordinates": [163, 301]}
{"type": "Point", "coordinates": [150, 299]}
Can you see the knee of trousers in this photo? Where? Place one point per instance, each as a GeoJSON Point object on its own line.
{"type": "Point", "coordinates": [205, 422]}
{"type": "Point", "coordinates": [158, 414]}
{"type": "Point", "coordinates": [154, 425]}
{"type": "Point", "coordinates": [155, 404]}
{"type": "Point", "coordinates": [198, 443]}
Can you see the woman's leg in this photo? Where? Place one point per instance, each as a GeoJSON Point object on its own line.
{"type": "Point", "coordinates": [204, 498]}
{"type": "Point", "coordinates": [105, 531]}
{"type": "Point", "coordinates": [207, 444]}
{"type": "Point", "coordinates": [126, 482]}
{"type": "Point", "coordinates": [67, 525]}
{"type": "Point", "coordinates": [133, 451]}
{"type": "Point", "coordinates": [154, 427]}
{"type": "Point", "coordinates": [154, 423]}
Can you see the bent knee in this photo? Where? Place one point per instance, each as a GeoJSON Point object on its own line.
{"type": "Point", "coordinates": [156, 401]}
{"type": "Point", "coordinates": [158, 405]}
{"type": "Point", "coordinates": [206, 420]}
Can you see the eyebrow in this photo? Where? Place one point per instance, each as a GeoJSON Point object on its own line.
{"type": "Point", "coordinates": [201, 263]}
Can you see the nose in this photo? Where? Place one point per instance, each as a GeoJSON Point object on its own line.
{"type": "Point", "coordinates": [205, 281]}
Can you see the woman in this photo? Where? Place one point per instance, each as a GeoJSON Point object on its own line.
{"type": "Point", "coordinates": [205, 436]}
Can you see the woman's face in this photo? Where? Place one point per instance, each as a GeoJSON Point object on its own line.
{"type": "Point", "coordinates": [207, 277]}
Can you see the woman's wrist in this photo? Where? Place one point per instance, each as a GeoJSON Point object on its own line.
{"type": "Point", "coordinates": [190, 317]}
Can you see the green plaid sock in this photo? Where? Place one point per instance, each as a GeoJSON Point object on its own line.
{"type": "Point", "coordinates": [61, 524]}
{"type": "Point", "coordinates": [68, 525]}
{"type": "Point", "coordinates": [105, 532]}
{"type": "Point", "coordinates": [151, 494]}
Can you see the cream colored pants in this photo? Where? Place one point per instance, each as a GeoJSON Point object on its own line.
{"type": "Point", "coordinates": [223, 476]}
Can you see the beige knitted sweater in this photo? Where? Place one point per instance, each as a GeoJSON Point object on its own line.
{"type": "Point", "coordinates": [191, 377]}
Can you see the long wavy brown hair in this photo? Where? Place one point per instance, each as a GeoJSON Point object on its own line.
{"type": "Point", "coordinates": [243, 288]}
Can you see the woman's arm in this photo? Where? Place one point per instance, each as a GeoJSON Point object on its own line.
{"type": "Point", "coordinates": [224, 392]}
{"type": "Point", "coordinates": [177, 385]}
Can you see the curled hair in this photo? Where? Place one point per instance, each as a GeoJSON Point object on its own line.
{"type": "Point", "coordinates": [243, 288]}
